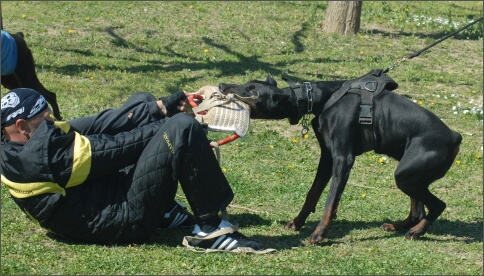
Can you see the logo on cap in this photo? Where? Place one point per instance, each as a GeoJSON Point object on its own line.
{"type": "Point", "coordinates": [10, 100]}
{"type": "Point", "coordinates": [39, 105]}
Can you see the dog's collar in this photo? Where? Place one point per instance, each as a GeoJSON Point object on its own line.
{"type": "Point", "coordinates": [304, 101]}
{"type": "Point", "coordinates": [304, 96]}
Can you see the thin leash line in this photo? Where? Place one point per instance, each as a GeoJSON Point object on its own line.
{"type": "Point", "coordinates": [415, 54]}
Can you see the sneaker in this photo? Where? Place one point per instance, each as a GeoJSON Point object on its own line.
{"type": "Point", "coordinates": [197, 231]}
{"type": "Point", "coordinates": [226, 238]}
{"type": "Point", "coordinates": [177, 217]}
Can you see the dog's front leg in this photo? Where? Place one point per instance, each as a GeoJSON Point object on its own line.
{"type": "Point", "coordinates": [341, 171]}
{"type": "Point", "coordinates": [323, 174]}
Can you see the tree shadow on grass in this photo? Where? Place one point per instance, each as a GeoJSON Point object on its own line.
{"type": "Point", "coordinates": [226, 68]}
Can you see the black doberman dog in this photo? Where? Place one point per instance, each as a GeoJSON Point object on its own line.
{"type": "Point", "coordinates": [24, 75]}
{"type": "Point", "coordinates": [352, 117]}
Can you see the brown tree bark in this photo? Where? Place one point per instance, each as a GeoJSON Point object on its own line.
{"type": "Point", "coordinates": [342, 17]}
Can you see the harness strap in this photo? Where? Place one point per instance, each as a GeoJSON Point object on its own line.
{"type": "Point", "coordinates": [366, 90]}
{"type": "Point", "coordinates": [337, 95]}
{"type": "Point", "coordinates": [366, 119]}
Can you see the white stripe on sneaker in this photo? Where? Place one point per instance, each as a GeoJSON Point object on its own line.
{"type": "Point", "coordinates": [224, 243]}
{"type": "Point", "coordinates": [232, 245]}
{"type": "Point", "coordinates": [179, 219]}
{"type": "Point", "coordinates": [215, 244]}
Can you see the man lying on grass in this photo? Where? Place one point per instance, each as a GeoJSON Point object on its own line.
{"type": "Point", "coordinates": [112, 177]}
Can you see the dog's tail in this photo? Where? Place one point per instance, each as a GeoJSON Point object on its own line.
{"type": "Point", "coordinates": [457, 139]}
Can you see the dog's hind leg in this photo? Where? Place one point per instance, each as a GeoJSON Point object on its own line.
{"type": "Point", "coordinates": [418, 168]}
{"type": "Point", "coordinates": [417, 213]}
{"type": "Point", "coordinates": [26, 75]}
{"type": "Point", "coordinates": [435, 206]}
{"type": "Point", "coordinates": [10, 82]}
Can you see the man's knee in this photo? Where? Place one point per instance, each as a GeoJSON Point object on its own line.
{"type": "Point", "coordinates": [183, 128]}
{"type": "Point", "coordinates": [141, 97]}
{"type": "Point", "coordinates": [184, 120]}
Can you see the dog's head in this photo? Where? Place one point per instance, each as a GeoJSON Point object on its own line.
{"type": "Point", "coordinates": [265, 99]}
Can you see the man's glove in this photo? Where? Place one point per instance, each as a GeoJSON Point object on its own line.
{"type": "Point", "coordinates": [172, 102]}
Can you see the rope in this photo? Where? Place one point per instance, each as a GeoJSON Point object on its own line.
{"type": "Point", "coordinates": [216, 148]}
{"type": "Point", "coordinates": [416, 54]}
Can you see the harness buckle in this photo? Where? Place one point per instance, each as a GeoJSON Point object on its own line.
{"type": "Point", "coordinates": [365, 114]}
{"type": "Point", "coordinates": [371, 86]}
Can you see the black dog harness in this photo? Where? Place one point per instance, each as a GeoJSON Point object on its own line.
{"type": "Point", "coordinates": [368, 87]}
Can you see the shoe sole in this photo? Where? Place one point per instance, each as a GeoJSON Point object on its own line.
{"type": "Point", "coordinates": [219, 233]}
{"type": "Point", "coordinates": [238, 250]}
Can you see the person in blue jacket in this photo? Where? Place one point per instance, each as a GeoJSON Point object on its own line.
{"type": "Point", "coordinates": [9, 54]}
{"type": "Point", "coordinates": [112, 177]}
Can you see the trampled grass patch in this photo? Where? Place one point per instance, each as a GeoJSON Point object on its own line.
{"type": "Point", "coordinates": [95, 54]}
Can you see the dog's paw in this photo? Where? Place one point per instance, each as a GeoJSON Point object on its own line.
{"type": "Point", "coordinates": [412, 236]}
{"type": "Point", "coordinates": [315, 238]}
{"type": "Point", "coordinates": [418, 230]}
{"type": "Point", "coordinates": [388, 227]}
{"type": "Point", "coordinates": [292, 225]}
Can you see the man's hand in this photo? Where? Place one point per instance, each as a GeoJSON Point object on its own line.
{"type": "Point", "coordinates": [173, 104]}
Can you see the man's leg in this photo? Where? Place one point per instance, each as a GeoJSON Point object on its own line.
{"type": "Point", "coordinates": [179, 151]}
{"type": "Point", "coordinates": [139, 97]}
{"type": "Point", "coordinates": [206, 189]}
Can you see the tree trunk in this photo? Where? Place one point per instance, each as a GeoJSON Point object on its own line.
{"type": "Point", "coordinates": [342, 17]}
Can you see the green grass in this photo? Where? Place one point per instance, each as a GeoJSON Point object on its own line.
{"type": "Point", "coordinates": [95, 54]}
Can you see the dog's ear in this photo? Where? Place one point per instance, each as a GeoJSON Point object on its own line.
{"type": "Point", "coordinates": [271, 81]}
